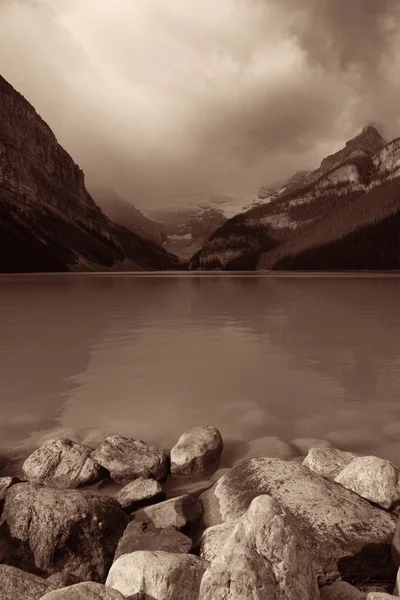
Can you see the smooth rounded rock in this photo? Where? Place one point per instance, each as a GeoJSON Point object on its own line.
{"type": "Point", "coordinates": [348, 537]}
{"type": "Point", "coordinates": [157, 575]}
{"type": "Point", "coordinates": [372, 478]}
{"type": "Point", "coordinates": [18, 585]}
{"type": "Point", "coordinates": [144, 536]}
{"type": "Point", "coordinates": [264, 557]}
{"type": "Point", "coordinates": [46, 531]}
{"type": "Point", "coordinates": [128, 459]}
{"type": "Point", "coordinates": [61, 463]}
{"type": "Point", "coordinates": [341, 590]}
{"type": "Point", "coordinates": [140, 492]}
{"type": "Point", "coordinates": [176, 512]}
{"type": "Point", "coordinates": [327, 462]}
{"type": "Point", "coordinates": [354, 439]}
{"type": "Point", "coordinates": [197, 452]}
{"type": "Point", "coordinates": [87, 590]}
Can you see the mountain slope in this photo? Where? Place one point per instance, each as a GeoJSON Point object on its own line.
{"type": "Point", "coordinates": [321, 223]}
{"type": "Point", "coordinates": [48, 220]}
{"type": "Point", "coordinates": [127, 215]}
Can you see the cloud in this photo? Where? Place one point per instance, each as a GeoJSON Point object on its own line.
{"type": "Point", "coordinates": [169, 99]}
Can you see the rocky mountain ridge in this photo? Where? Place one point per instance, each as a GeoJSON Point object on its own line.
{"type": "Point", "coordinates": [356, 187]}
{"type": "Point", "coordinates": [48, 220]}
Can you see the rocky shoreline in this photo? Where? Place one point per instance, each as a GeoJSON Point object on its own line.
{"type": "Point", "coordinates": [320, 526]}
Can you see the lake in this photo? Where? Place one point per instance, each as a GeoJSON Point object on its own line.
{"type": "Point", "coordinates": [150, 355]}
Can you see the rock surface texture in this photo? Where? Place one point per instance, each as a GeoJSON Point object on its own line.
{"type": "Point", "coordinates": [348, 537]}
{"type": "Point", "coordinates": [177, 512]}
{"type": "Point", "coordinates": [61, 463]}
{"type": "Point", "coordinates": [84, 591]}
{"type": "Point", "coordinates": [128, 459]}
{"type": "Point", "coordinates": [144, 536]}
{"type": "Point", "coordinates": [327, 462]}
{"type": "Point", "coordinates": [373, 478]}
{"type": "Point", "coordinates": [197, 452]}
{"type": "Point", "coordinates": [45, 531]}
{"type": "Point", "coordinates": [157, 575]}
{"type": "Point", "coordinates": [140, 492]}
{"type": "Point", "coordinates": [18, 585]}
{"type": "Point", "coordinates": [264, 557]}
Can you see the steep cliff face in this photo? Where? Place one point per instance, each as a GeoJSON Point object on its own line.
{"type": "Point", "coordinates": [48, 220]}
{"type": "Point", "coordinates": [355, 189]}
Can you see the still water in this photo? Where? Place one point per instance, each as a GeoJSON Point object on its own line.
{"type": "Point", "coordinates": [149, 356]}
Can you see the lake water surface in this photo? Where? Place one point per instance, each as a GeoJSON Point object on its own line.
{"type": "Point", "coordinates": [149, 356]}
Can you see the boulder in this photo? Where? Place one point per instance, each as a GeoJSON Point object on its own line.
{"type": "Point", "coordinates": [269, 446]}
{"type": "Point", "coordinates": [18, 585]}
{"type": "Point", "coordinates": [157, 575]}
{"type": "Point", "coordinates": [197, 452]}
{"type": "Point", "coordinates": [140, 492]}
{"type": "Point", "coordinates": [144, 536]}
{"type": "Point", "coordinates": [214, 538]}
{"type": "Point", "coordinates": [45, 531]}
{"type": "Point", "coordinates": [349, 538]}
{"type": "Point", "coordinates": [380, 596]}
{"type": "Point", "coordinates": [304, 444]}
{"type": "Point", "coordinates": [327, 462]}
{"type": "Point", "coordinates": [176, 512]}
{"type": "Point", "coordinates": [84, 591]}
{"type": "Point", "coordinates": [128, 459]}
{"type": "Point", "coordinates": [63, 579]}
{"type": "Point", "coordinates": [5, 484]}
{"type": "Point", "coordinates": [341, 590]}
{"type": "Point", "coordinates": [62, 463]}
{"type": "Point", "coordinates": [373, 478]}
{"type": "Point", "coordinates": [264, 557]}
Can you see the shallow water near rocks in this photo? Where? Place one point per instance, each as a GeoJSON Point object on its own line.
{"type": "Point", "coordinates": [151, 355]}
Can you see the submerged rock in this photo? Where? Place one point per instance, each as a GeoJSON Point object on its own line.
{"type": "Point", "coordinates": [84, 591]}
{"type": "Point", "coordinates": [61, 463]}
{"type": "Point", "coordinates": [303, 445]}
{"type": "Point", "coordinates": [349, 538]}
{"type": "Point", "coordinates": [45, 531]}
{"type": "Point", "coordinates": [18, 585]}
{"type": "Point", "coordinates": [264, 557]}
{"type": "Point", "coordinates": [177, 512]}
{"type": "Point", "coordinates": [197, 452]}
{"type": "Point", "coordinates": [144, 536]}
{"type": "Point", "coordinates": [128, 459]}
{"type": "Point", "coordinates": [373, 478]}
{"type": "Point", "coordinates": [140, 492]}
{"type": "Point", "coordinates": [157, 575]}
{"type": "Point", "coordinates": [270, 447]}
{"type": "Point", "coordinates": [327, 462]}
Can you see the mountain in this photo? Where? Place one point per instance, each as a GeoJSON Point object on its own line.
{"type": "Point", "coordinates": [342, 216]}
{"type": "Point", "coordinates": [48, 220]}
{"type": "Point", "coordinates": [127, 215]}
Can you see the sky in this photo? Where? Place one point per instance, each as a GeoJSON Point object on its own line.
{"type": "Point", "coordinates": [168, 100]}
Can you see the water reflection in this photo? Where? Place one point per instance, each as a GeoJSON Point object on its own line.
{"type": "Point", "coordinates": [152, 356]}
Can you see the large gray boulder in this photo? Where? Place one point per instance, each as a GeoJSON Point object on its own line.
{"type": "Point", "coordinates": [128, 459]}
{"type": "Point", "coordinates": [176, 512]}
{"type": "Point", "coordinates": [349, 538]}
{"type": "Point", "coordinates": [144, 536]}
{"type": "Point", "coordinates": [62, 463]}
{"type": "Point", "coordinates": [84, 591]}
{"type": "Point", "coordinates": [197, 452]}
{"type": "Point", "coordinates": [157, 575]}
{"type": "Point", "coordinates": [264, 557]}
{"type": "Point", "coordinates": [18, 585]}
{"type": "Point", "coordinates": [327, 462]}
{"type": "Point", "coordinates": [45, 531]}
{"type": "Point", "coordinates": [140, 492]}
{"type": "Point", "coordinates": [373, 478]}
